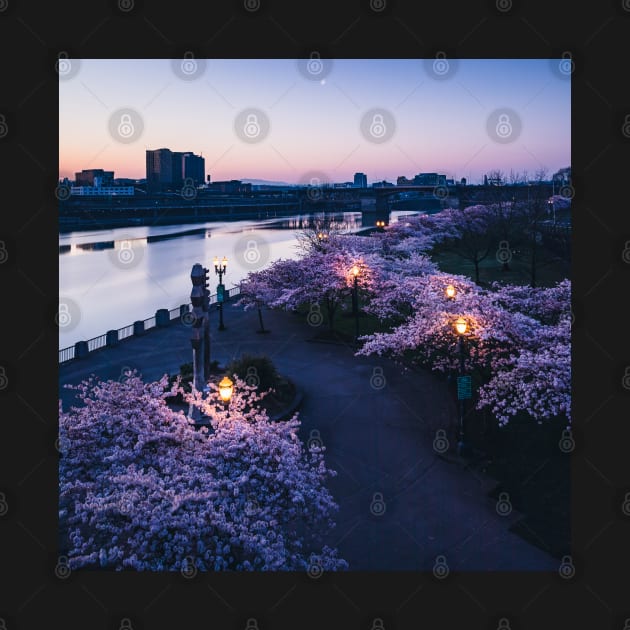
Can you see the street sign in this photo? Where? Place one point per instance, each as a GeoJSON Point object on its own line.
{"type": "Point", "coordinates": [464, 387]}
{"type": "Point", "coordinates": [220, 292]}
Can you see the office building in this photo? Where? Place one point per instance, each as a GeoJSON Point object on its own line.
{"type": "Point", "coordinates": [159, 170]}
{"type": "Point", "coordinates": [168, 169]}
{"type": "Point", "coordinates": [102, 191]}
{"type": "Point", "coordinates": [360, 180]}
{"type": "Point", "coordinates": [232, 187]}
{"type": "Point", "coordinates": [86, 177]}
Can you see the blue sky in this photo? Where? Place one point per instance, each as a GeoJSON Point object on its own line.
{"type": "Point", "coordinates": [441, 122]}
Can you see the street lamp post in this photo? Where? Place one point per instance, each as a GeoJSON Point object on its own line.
{"type": "Point", "coordinates": [226, 388]}
{"type": "Point", "coordinates": [461, 326]}
{"type": "Point", "coordinates": [355, 301]}
{"type": "Point", "coordinates": [220, 269]}
{"type": "Point", "coordinates": [552, 203]}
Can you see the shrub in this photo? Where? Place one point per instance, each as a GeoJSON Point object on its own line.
{"type": "Point", "coordinates": [259, 366]}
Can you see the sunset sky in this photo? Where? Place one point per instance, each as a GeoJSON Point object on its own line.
{"type": "Point", "coordinates": [441, 125]}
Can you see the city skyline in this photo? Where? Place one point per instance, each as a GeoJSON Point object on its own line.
{"type": "Point", "coordinates": [437, 123]}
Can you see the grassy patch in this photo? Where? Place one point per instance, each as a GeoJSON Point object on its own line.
{"type": "Point", "coordinates": [550, 270]}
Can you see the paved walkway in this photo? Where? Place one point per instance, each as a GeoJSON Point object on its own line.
{"type": "Point", "coordinates": [401, 504]}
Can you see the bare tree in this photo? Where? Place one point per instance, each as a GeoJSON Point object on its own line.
{"type": "Point", "coordinates": [319, 231]}
{"type": "Point", "coordinates": [535, 213]}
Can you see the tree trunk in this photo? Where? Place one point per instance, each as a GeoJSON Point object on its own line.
{"type": "Point", "coordinates": [260, 320]}
{"type": "Point", "coordinates": [533, 270]}
{"type": "Point", "coordinates": [476, 271]}
{"type": "Point", "coordinates": [330, 308]}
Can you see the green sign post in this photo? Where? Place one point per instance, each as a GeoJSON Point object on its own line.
{"type": "Point", "coordinates": [220, 293]}
{"type": "Point", "coordinates": [464, 387]}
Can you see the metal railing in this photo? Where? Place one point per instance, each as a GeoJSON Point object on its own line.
{"type": "Point", "coordinates": [96, 343]}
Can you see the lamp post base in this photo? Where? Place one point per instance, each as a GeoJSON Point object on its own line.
{"type": "Point", "coordinates": [463, 449]}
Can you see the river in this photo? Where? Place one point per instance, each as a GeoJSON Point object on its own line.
{"type": "Point", "coordinates": [110, 278]}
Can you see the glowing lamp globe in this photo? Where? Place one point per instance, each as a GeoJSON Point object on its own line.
{"type": "Point", "coordinates": [450, 291]}
{"type": "Point", "coordinates": [225, 389]}
{"type": "Point", "coordinates": [461, 326]}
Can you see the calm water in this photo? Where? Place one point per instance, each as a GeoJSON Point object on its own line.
{"type": "Point", "coordinates": [110, 278]}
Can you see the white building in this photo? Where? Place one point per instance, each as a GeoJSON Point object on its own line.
{"type": "Point", "coordinates": [102, 191]}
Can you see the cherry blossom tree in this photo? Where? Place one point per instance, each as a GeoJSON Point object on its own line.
{"type": "Point", "coordinates": [141, 488]}
{"type": "Point", "coordinates": [536, 380]}
{"type": "Point", "coordinates": [320, 276]}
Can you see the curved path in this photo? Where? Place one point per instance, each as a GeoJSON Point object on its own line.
{"type": "Point", "coordinates": [400, 504]}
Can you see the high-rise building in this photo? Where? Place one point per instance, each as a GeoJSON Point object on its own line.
{"type": "Point", "coordinates": [360, 180]}
{"type": "Point", "coordinates": [194, 167]}
{"type": "Point", "coordinates": [170, 169]}
{"type": "Point", "coordinates": [159, 169]}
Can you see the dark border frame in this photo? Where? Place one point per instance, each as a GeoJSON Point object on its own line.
{"type": "Point", "coordinates": [31, 37]}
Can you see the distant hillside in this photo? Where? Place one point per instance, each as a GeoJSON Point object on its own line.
{"type": "Point", "coordinates": [266, 182]}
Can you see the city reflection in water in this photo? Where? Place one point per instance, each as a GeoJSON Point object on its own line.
{"type": "Point", "coordinates": [112, 290]}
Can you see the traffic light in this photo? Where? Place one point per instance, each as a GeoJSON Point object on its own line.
{"type": "Point", "coordinates": [206, 280]}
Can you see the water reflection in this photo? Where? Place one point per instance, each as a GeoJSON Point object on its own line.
{"type": "Point", "coordinates": [113, 292]}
